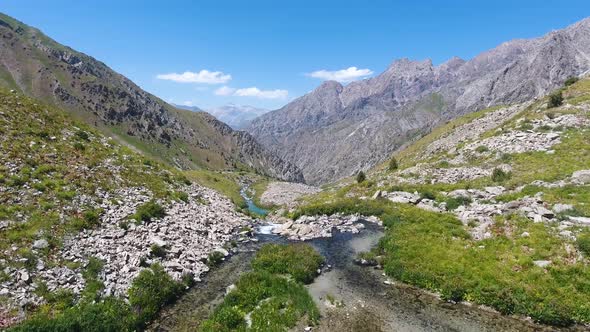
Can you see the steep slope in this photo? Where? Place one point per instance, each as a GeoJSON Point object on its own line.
{"type": "Point", "coordinates": [40, 67]}
{"type": "Point", "coordinates": [337, 130]}
{"type": "Point", "coordinates": [81, 215]}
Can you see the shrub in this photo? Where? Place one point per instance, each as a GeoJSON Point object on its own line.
{"type": "Point", "coordinates": [157, 251]}
{"type": "Point", "coordinates": [215, 258]}
{"type": "Point", "coordinates": [555, 99]}
{"type": "Point", "coordinates": [92, 217]}
{"type": "Point", "coordinates": [498, 175]}
{"type": "Point", "coordinates": [482, 149]}
{"type": "Point", "coordinates": [571, 81]}
{"type": "Point", "coordinates": [81, 134]}
{"type": "Point", "coordinates": [393, 164]}
{"type": "Point", "coordinates": [150, 291]}
{"type": "Point", "coordinates": [361, 177]}
{"type": "Point", "coordinates": [148, 211]}
{"type": "Point", "coordinates": [454, 202]}
{"type": "Point", "coordinates": [427, 195]}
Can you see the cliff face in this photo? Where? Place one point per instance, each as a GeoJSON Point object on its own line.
{"type": "Point", "coordinates": [337, 130]}
{"type": "Point", "coordinates": [42, 68]}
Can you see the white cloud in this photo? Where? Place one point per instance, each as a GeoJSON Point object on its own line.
{"type": "Point", "coordinates": [252, 92]}
{"type": "Point", "coordinates": [187, 103]}
{"type": "Point", "coordinates": [344, 75]}
{"type": "Point", "coordinates": [204, 76]}
{"type": "Point", "coordinates": [225, 91]}
{"type": "Point", "coordinates": [263, 94]}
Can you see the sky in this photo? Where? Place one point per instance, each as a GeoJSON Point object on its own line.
{"type": "Point", "coordinates": [267, 53]}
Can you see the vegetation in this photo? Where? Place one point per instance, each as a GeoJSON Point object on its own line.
{"type": "Point", "coordinates": [223, 182]}
{"type": "Point", "coordinates": [361, 177]}
{"type": "Point", "coordinates": [555, 99]}
{"type": "Point", "coordinates": [273, 297]}
{"type": "Point", "coordinates": [150, 291]}
{"type": "Point", "coordinates": [287, 260]}
{"type": "Point", "coordinates": [433, 251]}
{"type": "Point", "coordinates": [215, 258]}
{"type": "Point", "coordinates": [393, 166]}
{"type": "Point", "coordinates": [148, 211]}
{"type": "Point", "coordinates": [498, 175]}
{"type": "Point", "coordinates": [571, 81]}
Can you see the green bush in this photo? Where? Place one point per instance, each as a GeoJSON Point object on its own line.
{"type": "Point", "coordinates": [148, 211]}
{"type": "Point", "coordinates": [109, 315]}
{"type": "Point", "coordinates": [361, 177]}
{"type": "Point", "coordinates": [300, 261]}
{"type": "Point", "coordinates": [454, 202]}
{"type": "Point", "coordinates": [81, 134]}
{"type": "Point", "coordinates": [571, 81]}
{"type": "Point", "coordinates": [151, 290]}
{"type": "Point", "coordinates": [215, 258]}
{"type": "Point", "coordinates": [555, 99]}
{"type": "Point", "coordinates": [393, 165]}
{"type": "Point", "coordinates": [498, 175]}
{"type": "Point", "coordinates": [157, 251]}
{"type": "Point", "coordinates": [482, 149]}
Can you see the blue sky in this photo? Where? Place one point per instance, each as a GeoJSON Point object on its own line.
{"type": "Point", "coordinates": [262, 53]}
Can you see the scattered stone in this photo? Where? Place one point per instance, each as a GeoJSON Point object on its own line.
{"type": "Point", "coordinates": [40, 244]}
{"type": "Point", "coordinates": [542, 263]}
{"type": "Point", "coordinates": [581, 177]}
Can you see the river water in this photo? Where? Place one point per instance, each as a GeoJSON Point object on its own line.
{"type": "Point", "coordinates": [368, 303]}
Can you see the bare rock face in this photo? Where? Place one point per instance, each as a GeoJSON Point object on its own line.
{"type": "Point", "coordinates": [337, 130]}
{"type": "Point", "coordinates": [42, 68]}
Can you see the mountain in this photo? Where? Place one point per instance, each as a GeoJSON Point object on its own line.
{"type": "Point", "coordinates": [338, 130]}
{"type": "Point", "coordinates": [41, 68]}
{"type": "Point", "coordinates": [236, 116]}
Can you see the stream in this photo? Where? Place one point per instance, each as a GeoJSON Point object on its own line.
{"type": "Point", "coordinates": [368, 303]}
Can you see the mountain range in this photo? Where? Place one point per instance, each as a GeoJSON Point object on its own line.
{"type": "Point", "coordinates": [236, 116]}
{"type": "Point", "coordinates": [36, 65]}
{"type": "Point", "coordinates": [337, 130]}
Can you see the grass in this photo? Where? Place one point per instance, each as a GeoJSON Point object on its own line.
{"type": "Point", "coordinates": [272, 295]}
{"type": "Point", "coordinates": [150, 291]}
{"type": "Point", "coordinates": [223, 182]}
{"type": "Point", "coordinates": [433, 251]}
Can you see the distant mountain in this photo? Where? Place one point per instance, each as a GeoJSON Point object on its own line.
{"type": "Point", "coordinates": [236, 116]}
{"type": "Point", "coordinates": [337, 130]}
{"type": "Point", "coordinates": [41, 68]}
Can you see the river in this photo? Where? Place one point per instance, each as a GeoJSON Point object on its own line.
{"type": "Point", "coordinates": [369, 304]}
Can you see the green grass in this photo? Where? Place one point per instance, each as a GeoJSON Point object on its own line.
{"type": "Point", "coordinates": [223, 182]}
{"type": "Point", "coordinates": [433, 251]}
{"type": "Point", "coordinates": [152, 289]}
{"type": "Point", "coordinates": [272, 294]}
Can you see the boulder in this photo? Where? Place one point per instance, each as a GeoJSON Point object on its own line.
{"type": "Point", "coordinates": [558, 208]}
{"type": "Point", "coordinates": [40, 244]}
{"type": "Point", "coordinates": [582, 176]}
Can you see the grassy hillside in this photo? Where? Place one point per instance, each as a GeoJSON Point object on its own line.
{"type": "Point", "coordinates": [54, 172]}
{"type": "Point", "coordinates": [37, 66]}
{"type": "Point", "coordinates": [489, 208]}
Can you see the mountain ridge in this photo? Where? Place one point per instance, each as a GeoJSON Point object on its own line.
{"type": "Point", "coordinates": [411, 97]}
{"type": "Point", "coordinates": [40, 67]}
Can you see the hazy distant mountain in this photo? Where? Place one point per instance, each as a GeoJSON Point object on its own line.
{"type": "Point", "coordinates": [236, 116]}
{"type": "Point", "coordinates": [40, 67]}
{"type": "Point", "coordinates": [337, 130]}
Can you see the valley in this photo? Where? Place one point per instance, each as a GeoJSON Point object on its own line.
{"type": "Point", "coordinates": [449, 197]}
